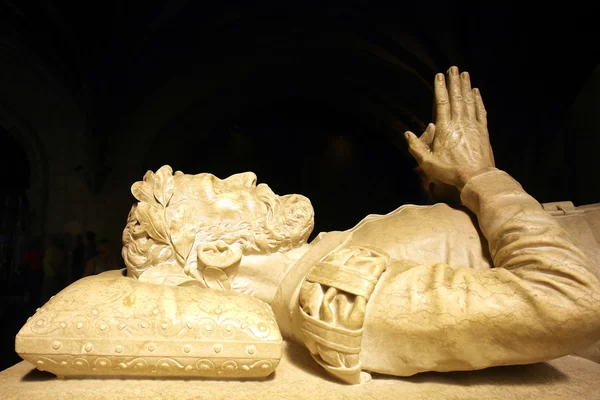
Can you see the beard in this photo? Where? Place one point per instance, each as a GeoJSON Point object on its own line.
{"type": "Point", "coordinates": [281, 223]}
{"type": "Point", "coordinates": [277, 224]}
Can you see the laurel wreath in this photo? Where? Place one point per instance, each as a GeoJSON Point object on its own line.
{"type": "Point", "coordinates": [174, 229]}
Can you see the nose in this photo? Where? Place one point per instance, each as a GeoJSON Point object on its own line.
{"type": "Point", "coordinates": [244, 179]}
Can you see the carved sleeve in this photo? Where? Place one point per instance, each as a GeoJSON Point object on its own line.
{"type": "Point", "coordinates": [541, 301]}
{"type": "Point", "coordinates": [332, 303]}
{"type": "Point", "coordinates": [555, 289]}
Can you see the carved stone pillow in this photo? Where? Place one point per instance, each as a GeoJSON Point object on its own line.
{"type": "Point", "coordinates": [112, 325]}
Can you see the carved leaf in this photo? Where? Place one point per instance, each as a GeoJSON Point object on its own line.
{"type": "Point", "coordinates": [196, 275]}
{"type": "Point", "coordinates": [216, 279]}
{"type": "Point", "coordinates": [142, 191]}
{"type": "Point", "coordinates": [152, 221]}
{"type": "Point", "coordinates": [183, 233]}
{"type": "Point", "coordinates": [165, 274]}
{"type": "Point", "coordinates": [149, 177]}
{"type": "Point", "coordinates": [193, 283]}
{"type": "Point", "coordinates": [164, 185]}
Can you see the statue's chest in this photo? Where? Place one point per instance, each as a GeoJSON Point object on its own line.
{"type": "Point", "coordinates": [426, 234]}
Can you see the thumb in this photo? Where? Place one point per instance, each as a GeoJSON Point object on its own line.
{"type": "Point", "coordinates": [417, 148]}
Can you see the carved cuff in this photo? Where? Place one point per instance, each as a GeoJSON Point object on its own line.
{"type": "Point", "coordinates": [353, 271]}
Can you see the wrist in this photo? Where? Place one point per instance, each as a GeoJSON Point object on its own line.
{"type": "Point", "coordinates": [466, 176]}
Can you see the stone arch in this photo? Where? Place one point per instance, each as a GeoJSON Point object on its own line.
{"type": "Point", "coordinates": [37, 194]}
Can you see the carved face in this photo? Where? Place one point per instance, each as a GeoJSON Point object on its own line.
{"type": "Point", "coordinates": [235, 208]}
{"type": "Point", "coordinates": [180, 214]}
{"type": "Point", "coordinates": [232, 199]}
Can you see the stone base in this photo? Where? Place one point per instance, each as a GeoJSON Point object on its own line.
{"type": "Point", "coordinates": [299, 377]}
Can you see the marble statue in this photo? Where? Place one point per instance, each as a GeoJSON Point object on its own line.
{"type": "Point", "coordinates": [219, 272]}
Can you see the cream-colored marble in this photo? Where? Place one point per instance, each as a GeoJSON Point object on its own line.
{"type": "Point", "coordinates": [112, 325]}
{"type": "Point", "coordinates": [299, 378]}
{"type": "Point", "coordinates": [496, 281]}
{"type": "Point", "coordinates": [583, 225]}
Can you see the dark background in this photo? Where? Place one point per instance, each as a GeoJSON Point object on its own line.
{"type": "Point", "coordinates": [313, 99]}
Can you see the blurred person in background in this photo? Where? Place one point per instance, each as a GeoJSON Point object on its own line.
{"type": "Point", "coordinates": [77, 258]}
{"type": "Point", "coordinates": [90, 247]}
{"type": "Point", "coordinates": [104, 260]}
{"type": "Point", "coordinates": [34, 260]}
{"type": "Point", "coordinates": [55, 262]}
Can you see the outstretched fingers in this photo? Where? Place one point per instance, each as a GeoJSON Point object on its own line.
{"type": "Point", "coordinates": [455, 93]}
{"type": "Point", "coordinates": [442, 104]}
{"type": "Point", "coordinates": [428, 136]}
{"type": "Point", "coordinates": [480, 112]}
{"type": "Point", "coordinates": [468, 96]}
{"type": "Point", "coordinates": [418, 149]}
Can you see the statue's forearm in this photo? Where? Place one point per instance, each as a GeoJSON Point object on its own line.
{"type": "Point", "coordinates": [519, 232]}
{"type": "Point", "coordinates": [539, 302]}
{"type": "Point", "coordinates": [530, 244]}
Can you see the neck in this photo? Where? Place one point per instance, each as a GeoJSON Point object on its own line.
{"type": "Point", "coordinates": [261, 275]}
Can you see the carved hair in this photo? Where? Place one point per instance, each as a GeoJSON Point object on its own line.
{"type": "Point", "coordinates": [154, 227]}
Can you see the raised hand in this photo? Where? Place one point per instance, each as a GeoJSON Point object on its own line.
{"type": "Point", "coordinates": [457, 146]}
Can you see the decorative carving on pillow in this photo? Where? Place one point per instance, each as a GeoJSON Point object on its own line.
{"type": "Point", "coordinates": [105, 325]}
